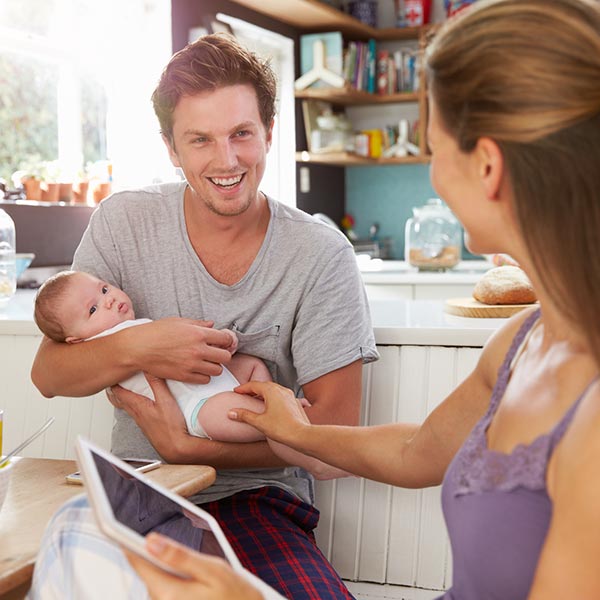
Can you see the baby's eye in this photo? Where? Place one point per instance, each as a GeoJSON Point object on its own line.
{"type": "Point", "coordinates": [105, 289]}
{"type": "Point", "coordinates": [92, 310]}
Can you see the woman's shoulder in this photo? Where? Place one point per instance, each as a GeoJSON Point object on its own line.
{"type": "Point", "coordinates": [501, 342]}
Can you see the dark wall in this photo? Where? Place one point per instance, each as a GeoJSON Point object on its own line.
{"type": "Point", "coordinates": [327, 183]}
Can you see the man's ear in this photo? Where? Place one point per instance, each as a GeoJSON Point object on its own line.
{"type": "Point", "coordinates": [490, 163]}
{"type": "Point", "coordinates": [171, 150]}
{"type": "Point", "coordinates": [270, 135]}
{"type": "Point", "coordinates": [73, 340]}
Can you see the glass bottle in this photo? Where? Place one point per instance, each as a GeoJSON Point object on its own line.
{"type": "Point", "coordinates": [8, 268]}
{"type": "Point", "coordinates": [433, 237]}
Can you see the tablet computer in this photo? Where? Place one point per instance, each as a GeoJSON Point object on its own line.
{"type": "Point", "coordinates": [127, 505]}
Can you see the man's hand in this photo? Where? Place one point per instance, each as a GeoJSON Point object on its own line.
{"type": "Point", "coordinates": [161, 420]}
{"type": "Point", "coordinates": [181, 349]}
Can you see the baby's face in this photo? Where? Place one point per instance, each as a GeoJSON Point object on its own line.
{"type": "Point", "coordinates": [92, 306]}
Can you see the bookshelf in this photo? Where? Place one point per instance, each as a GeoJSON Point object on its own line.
{"type": "Point", "coordinates": [311, 16]}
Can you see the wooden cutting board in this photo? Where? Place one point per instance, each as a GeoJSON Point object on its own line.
{"type": "Point", "coordinates": [469, 307]}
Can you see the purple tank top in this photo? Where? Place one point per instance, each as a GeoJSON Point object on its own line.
{"type": "Point", "coordinates": [496, 505]}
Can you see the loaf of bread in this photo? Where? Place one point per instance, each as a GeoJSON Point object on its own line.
{"type": "Point", "coordinates": [504, 285]}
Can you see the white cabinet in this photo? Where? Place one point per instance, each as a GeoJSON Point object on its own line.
{"type": "Point", "coordinates": [25, 409]}
{"type": "Point", "coordinates": [374, 533]}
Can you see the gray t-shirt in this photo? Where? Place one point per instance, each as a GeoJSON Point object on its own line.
{"type": "Point", "coordinates": [301, 307]}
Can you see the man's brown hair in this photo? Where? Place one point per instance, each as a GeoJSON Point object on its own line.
{"type": "Point", "coordinates": [211, 62]}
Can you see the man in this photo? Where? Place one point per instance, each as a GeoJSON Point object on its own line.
{"type": "Point", "coordinates": [215, 247]}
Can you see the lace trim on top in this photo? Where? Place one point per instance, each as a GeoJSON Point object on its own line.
{"type": "Point", "coordinates": [480, 469]}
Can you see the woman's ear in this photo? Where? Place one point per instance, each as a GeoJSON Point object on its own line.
{"type": "Point", "coordinates": [490, 165]}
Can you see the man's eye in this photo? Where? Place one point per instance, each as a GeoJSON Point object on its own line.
{"type": "Point", "coordinates": [105, 289]}
{"type": "Point", "coordinates": [242, 133]}
{"type": "Point", "coordinates": [92, 310]}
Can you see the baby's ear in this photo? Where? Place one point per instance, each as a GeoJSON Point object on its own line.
{"type": "Point", "coordinates": [73, 340]}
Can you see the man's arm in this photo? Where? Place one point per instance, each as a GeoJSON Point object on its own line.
{"type": "Point", "coordinates": [335, 397]}
{"type": "Point", "coordinates": [181, 349]}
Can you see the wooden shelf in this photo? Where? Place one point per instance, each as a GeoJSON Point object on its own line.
{"type": "Point", "coordinates": [345, 159]}
{"type": "Point", "coordinates": [312, 15]}
{"type": "Point", "coordinates": [351, 97]}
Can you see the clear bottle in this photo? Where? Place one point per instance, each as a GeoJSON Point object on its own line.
{"type": "Point", "coordinates": [8, 268]}
{"type": "Point", "coordinates": [433, 237]}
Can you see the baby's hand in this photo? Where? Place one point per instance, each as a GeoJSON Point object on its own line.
{"type": "Point", "coordinates": [234, 341]}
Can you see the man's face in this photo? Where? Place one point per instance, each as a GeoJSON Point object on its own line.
{"type": "Point", "coordinates": [221, 144]}
{"type": "Point", "coordinates": [91, 306]}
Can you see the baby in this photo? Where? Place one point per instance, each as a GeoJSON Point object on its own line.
{"type": "Point", "coordinates": [73, 307]}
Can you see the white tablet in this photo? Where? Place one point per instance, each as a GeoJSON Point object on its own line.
{"type": "Point", "coordinates": [127, 505]}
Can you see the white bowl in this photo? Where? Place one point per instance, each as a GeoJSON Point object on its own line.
{"type": "Point", "coordinates": [5, 480]}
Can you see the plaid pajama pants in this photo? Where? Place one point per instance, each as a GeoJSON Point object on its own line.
{"type": "Point", "coordinates": [271, 532]}
{"type": "Point", "coordinates": [269, 529]}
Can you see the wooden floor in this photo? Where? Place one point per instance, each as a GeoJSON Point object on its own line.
{"type": "Point", "coordinates": [374, 591]}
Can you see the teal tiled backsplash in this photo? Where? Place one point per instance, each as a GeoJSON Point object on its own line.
{"type": "Point", "coordinates": [386, 195]}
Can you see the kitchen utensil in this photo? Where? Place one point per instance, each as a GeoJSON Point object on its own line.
{"type": "Point", "coordinates": [28, 441]}
{"type": "Point", "coordinates": [469, 307]}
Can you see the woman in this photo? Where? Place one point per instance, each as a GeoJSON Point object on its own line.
{"type": "Point", "coordinates": [514, 132]}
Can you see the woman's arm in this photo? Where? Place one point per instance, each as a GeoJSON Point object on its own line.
{"type": "Point", "coordinates": [174, 348]}
{"type": "Point", "coordinates": [407, 455]}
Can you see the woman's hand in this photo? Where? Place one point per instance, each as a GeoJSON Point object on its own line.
{"type": "Point", "coordinates": [160, 420]}
{"type": "Point", "coordinates": [284, 418]}
{"type": "Point", "coordinates": [210, 578]}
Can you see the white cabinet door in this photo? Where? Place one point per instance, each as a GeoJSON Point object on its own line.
{"type": "Point", "coordinates": [25, 409]}
{"type": "Point", "coordinates": [376, 533]}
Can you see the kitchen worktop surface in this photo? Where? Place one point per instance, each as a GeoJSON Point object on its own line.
{"type": "Point", "coordinates": [377, 271]}
{"type": "Point", "coordinates": [395, 321]}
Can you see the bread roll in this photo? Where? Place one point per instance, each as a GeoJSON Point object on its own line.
{"type": "Point", "coordinates": [504, 285]}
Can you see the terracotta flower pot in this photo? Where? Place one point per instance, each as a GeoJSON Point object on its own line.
{"type": "Point", "coordinates": [65, 192]}
{"type": "Point", "coordinates": [80, 192]}
{"type": "Point", "coordinates": [50, 191]}
{"type": "Point", "coordinates": [100, 191]}
{"type": "Point", "coordinates": [33, 189]}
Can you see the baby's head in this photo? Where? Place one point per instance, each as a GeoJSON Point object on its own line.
{"type": "Point", "coordinates": [73, 306]}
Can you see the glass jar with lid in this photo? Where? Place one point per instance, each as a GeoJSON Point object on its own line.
{"type": "Point", "coordinates": [433, 237]}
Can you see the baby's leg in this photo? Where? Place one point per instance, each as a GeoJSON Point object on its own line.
{"type": "Point", "coordinates": [247, 368]}
{"type": "Point", "coordinates": [212, 418]}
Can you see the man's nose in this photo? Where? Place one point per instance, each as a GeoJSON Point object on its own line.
{"type": "Point", "coordinates": [226, 157]}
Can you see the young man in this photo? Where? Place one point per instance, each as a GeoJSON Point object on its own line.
{"type": "Point", "coordinates": [215, 247]}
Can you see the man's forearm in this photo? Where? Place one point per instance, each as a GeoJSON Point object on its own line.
{"type": "Point", "coordinates": [78, 369]}
{"type": "Point", "coordinates": [220, 455]}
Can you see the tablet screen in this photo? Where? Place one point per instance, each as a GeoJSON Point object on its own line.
{"type": "Point", "coordinates": [143, 509]}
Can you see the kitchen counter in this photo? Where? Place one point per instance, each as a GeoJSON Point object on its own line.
{"type": "Point", "coordinates": [377, 271]}
{"type": "Point", "coordinates": [395, 321]}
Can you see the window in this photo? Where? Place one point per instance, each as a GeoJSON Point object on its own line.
{"type": "Point", "coordinates": [77, 76]}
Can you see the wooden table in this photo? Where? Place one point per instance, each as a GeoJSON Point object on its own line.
{"type": "Point", "coordinates": [37, 489]}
